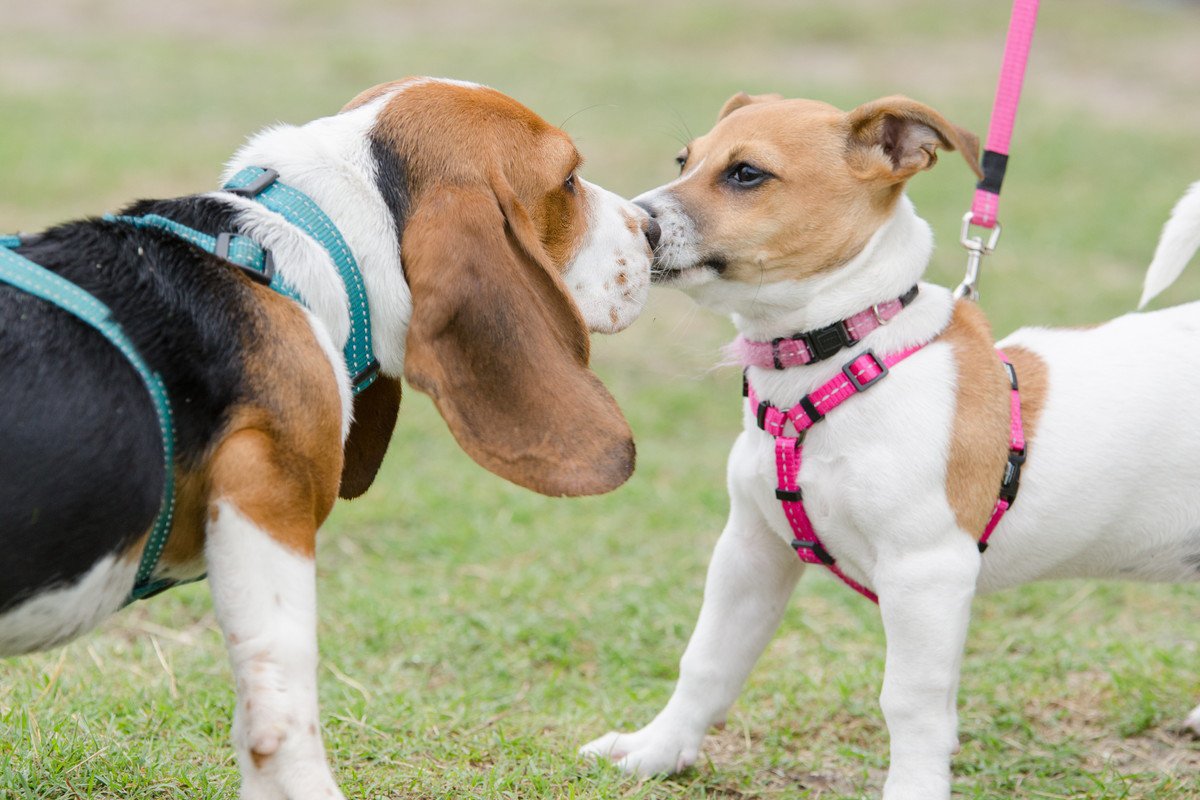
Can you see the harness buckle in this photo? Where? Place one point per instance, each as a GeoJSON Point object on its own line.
{"type": "Point", "coordinates": [827, 341]}
{"type": "Point", "coordinates": [1011, 482]}
{"type": "Point", "coordinates": [817, 550]}
{"type": "Point", "coordinates": [861, 385]}
{"type": "Point", "coordinates": [789, 495]}
{"type": "Point", "coordinates": [761, 413]}
{"type": "Point", "coordinates": [257, 186]}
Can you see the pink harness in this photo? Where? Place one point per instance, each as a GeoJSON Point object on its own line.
{"type": "Point", "coordinates": [858, 375]}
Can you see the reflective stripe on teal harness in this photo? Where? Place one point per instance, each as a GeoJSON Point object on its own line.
{"type": "Point", "coordinates": [41, 282]}
{"type": "Point", "coordinates": [297, 208]}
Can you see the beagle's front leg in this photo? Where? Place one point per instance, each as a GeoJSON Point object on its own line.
{"type": "Point", "coordinates": [925, 601]}
{"type": "Point", "coordinates": [750, 578]}
{"type": "Point", "coordinates": [263, 578]}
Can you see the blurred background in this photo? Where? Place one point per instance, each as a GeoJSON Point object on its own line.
{"type": "Point", "coordinates": [473, 634]}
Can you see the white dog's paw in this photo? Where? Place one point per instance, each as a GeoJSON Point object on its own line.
{"type": "Point", "coordinates": [647, 752]}
{"type": "Point", "coordinates": [1192, 723]}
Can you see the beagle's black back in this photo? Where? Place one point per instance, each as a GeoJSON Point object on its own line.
{"type": "Point", "coordinates": [80, 450]}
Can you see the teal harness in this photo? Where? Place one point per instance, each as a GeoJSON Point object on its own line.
{"type": "Point", "coordinates": [254, 183]}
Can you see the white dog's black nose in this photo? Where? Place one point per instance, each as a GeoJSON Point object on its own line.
{"type": "Point", "coordinates": [651, 227]}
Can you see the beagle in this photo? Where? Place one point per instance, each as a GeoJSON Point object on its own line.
{"type": "Point", "coordinates": [486, 260]}
{"type": "Point", "coordinates": [790, 216]}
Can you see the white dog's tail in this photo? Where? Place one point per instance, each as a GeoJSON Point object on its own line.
{"type": "Point", "coordinates": [1178, 243]}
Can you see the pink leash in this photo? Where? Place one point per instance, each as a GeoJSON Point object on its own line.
{"type": "Point", "coordinates": [1004, 112]}
{"type": "Point", "coordinates": [858, 375]}
{"type": "Point", "coordinates": [986, 205]}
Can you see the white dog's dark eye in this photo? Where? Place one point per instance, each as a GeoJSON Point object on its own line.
{"type": "Point", "coordinates": [745, 176]}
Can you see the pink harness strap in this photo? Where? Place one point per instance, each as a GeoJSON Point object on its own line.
{"type": "Point", "coordinates": [858, 375]}
{"type": "Point", "coordinates": [1016, 456]}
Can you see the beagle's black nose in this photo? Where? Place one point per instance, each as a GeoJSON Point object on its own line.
{"type": "Point", "coordinates": [651, 227]}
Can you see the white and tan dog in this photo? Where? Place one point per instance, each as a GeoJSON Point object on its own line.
{"type": "Point", "coordinates": [486, 260]}
{"type": "Point", "coordinates": [790, 216]}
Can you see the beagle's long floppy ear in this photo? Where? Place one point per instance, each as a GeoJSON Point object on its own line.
{"type": "Point", "coordinates": [375, 410]}
{"type": "Point", "coordinates": [503, 352]}
{"type": "Point", "coordinates": [894, 138]}
{"type": "Point", "coordinates": [742, 99]}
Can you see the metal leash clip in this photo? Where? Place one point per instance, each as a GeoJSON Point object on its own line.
{"type": "Point", "coordinates": [976, 250]}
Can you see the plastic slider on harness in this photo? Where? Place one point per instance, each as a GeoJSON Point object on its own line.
{"type": "Point", "coordinates": [265, 276]}
{"type": "Point", "coordinates": [257, 186]}
{"type": "Point", "coordinates": [855, 378]}
{"type": "Point", "coordinates": [817, 550]}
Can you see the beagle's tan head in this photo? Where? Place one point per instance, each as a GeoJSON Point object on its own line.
{"type": "Point", "coordinates": [788, 189]}
{"type": "Point", "coordinates": [511, 258]}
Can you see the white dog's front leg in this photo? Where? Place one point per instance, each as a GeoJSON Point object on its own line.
{"type": "Point", "coordinates": [1192, 723]}
{"type": "Point", "coordinates": [925, 599]}
{"type": "Point", "coordinates": [750, 578]}
{"type": "Point", "coordinates": [264, 595]}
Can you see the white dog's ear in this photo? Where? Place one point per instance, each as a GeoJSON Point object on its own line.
{"type": "Point", "coordinates": [894, 138]}
{"type": "Point", "coordinates": [741, 99]}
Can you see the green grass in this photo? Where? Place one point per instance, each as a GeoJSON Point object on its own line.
{"type": "Point", "coordinates": [473, 635]}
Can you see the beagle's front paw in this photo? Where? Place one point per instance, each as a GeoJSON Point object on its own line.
{"type": "Point", "coordinates": [657, 749]}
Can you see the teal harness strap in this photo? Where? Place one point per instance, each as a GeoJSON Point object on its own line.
{"type": "Point", "coordinates": [297, 208]}
{"type": "Point", "coordinates": [241, 251]}
{"type": "Point", "coordinates": [41, 282]}
{"type": "Point", "coordinates": [300, 210]}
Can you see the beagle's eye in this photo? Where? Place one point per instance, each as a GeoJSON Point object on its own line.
{"type": "Point", "coordinates": [746, 176]}
{"type": "Point", "coordinates": [569, 183]}
{"type": "Point", "coordinates": [681, 160]}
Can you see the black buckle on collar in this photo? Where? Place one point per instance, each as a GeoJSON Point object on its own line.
{"type": "Point", "coordinates": [789, 495]}
{"type": "Point", "coordinates": [824, 342]}
{"type": "Point", "coordinates": [862, 386]}
{"type": "Point", "coordinates": [256, 186]}
{"type": "Point", "coordinates": [820, 552]}
{"type": "Point", "coordinates": [1011, 483]}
